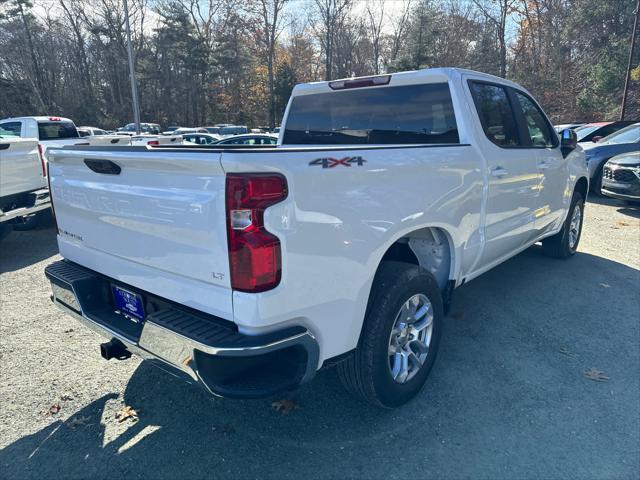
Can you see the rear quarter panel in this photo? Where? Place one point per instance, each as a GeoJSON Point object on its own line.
{"type": "Point", "coordinates": [337, 223]}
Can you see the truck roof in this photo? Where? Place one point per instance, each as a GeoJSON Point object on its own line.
{"type": "Point", "coordinates": [406, 78]}
{"type": "Point", "coordinates": [40, 118]}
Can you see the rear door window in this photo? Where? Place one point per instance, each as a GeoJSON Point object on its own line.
{"type": "Point", "coordinates": [412, 114]}
{"type": "Point", "coordinates": [10, 129]}
{"type": "Point", "coordinates": [496, 114]}
{"type": "Point", "coordinates": [57, 130]}
{"type": "Point", "coordinates": [540, 131]}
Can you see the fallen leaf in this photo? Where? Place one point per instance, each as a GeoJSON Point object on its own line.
{"type": "Point", "coordinates": [66, 397]}
{"type": "Point", "coordinates": [68, 330]}
{"type": "Point", "coordinates": [125, 413]}
{"type": "Point", "coordinates": [622, 223]}
{"type": "Point", "coordinates": [284, 406]}
{"type": "Point", "coordinates": [595, 375]}
{"type": "Point", "coordinates": [55, 408]}
{"type": "Point", "coordinates": [76, 422]}
{"type": "Point", "coordinates": [605, 285]}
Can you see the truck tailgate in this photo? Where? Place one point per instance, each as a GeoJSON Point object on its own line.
{"type": "Point", "coordinates": [20, 168]}
{"type": "Point", "coordinates": [152, 219]}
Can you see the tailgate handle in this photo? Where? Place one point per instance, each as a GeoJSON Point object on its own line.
{"type": "Point", "coordinates": [103, 166]}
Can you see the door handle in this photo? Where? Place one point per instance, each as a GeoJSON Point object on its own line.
{"type": "Point", "coordinates": [499, 172]}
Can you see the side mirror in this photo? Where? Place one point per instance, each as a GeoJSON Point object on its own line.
{"type": "Point", "coordinates": [568, 141]}
{"type": "Point", "coordinates": [596, 139]}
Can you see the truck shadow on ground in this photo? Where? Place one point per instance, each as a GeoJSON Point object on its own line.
{"type": "Point", "coordinates": [506, 399]}
{"type": "Point", "coordinates": [21, 249]}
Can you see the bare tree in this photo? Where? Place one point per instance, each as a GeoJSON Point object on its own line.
{"type": "Point", "coordinates": [375, 17]}
{"type": "Point", "coordinates": [333, 14]}
{"type": "Point", "coordinates": [399, 25]}
{"type": "Point", "coordinates": [497, 12]}
{"type": "Point", "coordinates": [271, 16]}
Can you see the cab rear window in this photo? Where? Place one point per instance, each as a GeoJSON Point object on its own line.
{"type": "Point", "coordinates": [56, 130]}
{"type": "Point", "coordinates": [412, 114]}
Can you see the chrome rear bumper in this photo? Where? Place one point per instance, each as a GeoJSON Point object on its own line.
{"type": "Point", "coordinates": [205, 349]}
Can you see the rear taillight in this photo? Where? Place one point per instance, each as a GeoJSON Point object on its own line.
{"type": "Point", "coordinates": [254, 253]}
{"type": "Point", "coordinates": [41, 155]}
{"type": "Point", "coordinates": [53, 210]}
{"type": "Point", "coordinates": [153, 142]}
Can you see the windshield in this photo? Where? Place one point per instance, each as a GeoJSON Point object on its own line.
{"type": "Point", "coordinates": [630, 134]}
{"type": "Point", "coordinates": [57, 130]}
{"type": "Point", "coordinates": [582, 132]}
{"type": "Point", "coordinates": [413, 114]}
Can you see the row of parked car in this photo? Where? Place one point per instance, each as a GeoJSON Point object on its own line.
{"type": "Point", "coordinates": [24, 142]}
{"type": "Point", "coordinates": [612, 150]}
{"type": "Point", "coordinates": [222, 133]}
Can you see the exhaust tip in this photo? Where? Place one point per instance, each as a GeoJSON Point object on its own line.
{"type": "Point", "coordinates": [114, 349]}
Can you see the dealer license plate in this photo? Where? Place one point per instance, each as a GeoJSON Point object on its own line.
{"type": "Point", "coordinates": [128, 302]}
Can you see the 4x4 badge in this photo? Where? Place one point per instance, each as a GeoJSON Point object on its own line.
{"type": "Point", "coordinates": [329, 162]}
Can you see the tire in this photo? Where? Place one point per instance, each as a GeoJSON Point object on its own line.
{"type": "Point", "coordinates": [595, 186]}
{"type": "Point", "coordinates": [368, 372]}
{"type": "Point", "coordinates": [563, 244]}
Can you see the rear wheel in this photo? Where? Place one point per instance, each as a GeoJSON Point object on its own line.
{"type": "Point", "coordinates": [400, 337]}
{"type": "Point", "coordinates": [564, 244]}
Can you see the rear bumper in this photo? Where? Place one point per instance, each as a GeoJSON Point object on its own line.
{"type": "Point", "coordinates": [27, 204]}
{"type": "Point", "coordinates": [203, 348]}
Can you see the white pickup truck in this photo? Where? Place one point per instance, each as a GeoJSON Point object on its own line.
{"type": "Point", "coordinates": [49, 131]}
{"type": "Point", "coordinates": [248, 269]}
{"type": "Point", "coordinates": [23, 184]}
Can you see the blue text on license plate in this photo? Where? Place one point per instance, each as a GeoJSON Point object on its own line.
{"type": "Point", "coordinates": [128, 302]}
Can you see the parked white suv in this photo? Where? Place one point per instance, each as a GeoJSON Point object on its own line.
{"type": "Point", "coordinates": [246, 268]}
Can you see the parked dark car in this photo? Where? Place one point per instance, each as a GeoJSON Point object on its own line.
{"type": "Point", "coordinates": [621, 177]}
{"type": "Point", "coordinates": [597, 154]}
{"type": "Point", "coordinates": [593, 132]}
{"type": "Point", "coordinates": [145, 128]}
{"type": "Point", "coordinates": [200, 139]}
{"type": "Point", "coordinates": [250, 139]}
{"type": "Point", "coordinates": [234, 130]}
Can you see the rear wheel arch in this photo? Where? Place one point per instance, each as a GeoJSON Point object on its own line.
{"type": "Point", "coordinates": [429, 247]}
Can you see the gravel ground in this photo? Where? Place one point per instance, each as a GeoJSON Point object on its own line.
{"type": "Point", "coordinates": [507, 398]}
